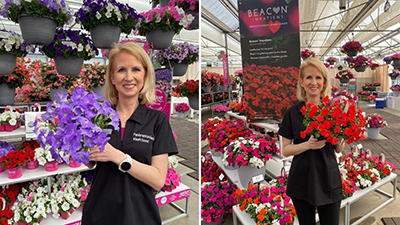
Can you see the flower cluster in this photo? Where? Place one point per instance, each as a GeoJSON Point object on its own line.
{"type": "Point", "coordinates": [6, 147]}
{"type": "Point", "coordinates": [269, 91]}
{"type": "Point", "coordinates": [75, 124]}
{"type": "Point", "coordinates": [16, 78]}
{"type": "Point", "coordinates": [371, 97]}
{"type": "Point", "coordinates": [354, 46]}
{"type": "Point", "coordinates": [178, 53]}
{"type": "Point", "coordinates": [217, 199]}
{"type": "Point", "coordinates": [172, 180]}
{"type": "Point", "coordinates": [394, 75]}
{"type": "Point", "coordinates": [93, 75]}
{"type": "Point", "coordinates": [43, 155]}
{"type": "Point", "coordinates": [374, 65]}
{"type": "Point", "coordinates": [188, 88]}
{"type": "Point", "coordinates": [51, 78]}
{"type": "Point", "coordinates": [344, 74]}
{"type": "Point", "coordinates": [395, 87]}
{"type": "Point", "coordinates": [235, 106]}
{"type": "Point", "coordinates": [70, 43]}
{"type": "Point", "coordinates": [334, 88]}
{"type": "Point", "coordinates": [95, 12]}
{"type": "Point", "coordinates": [15, 159]}
{"type": "Point", "coordinates": [223, 134]}
{"type": "Point", "coordinates": [166, 87]}
{"type": "Point", "coordinates": [349, 95]}
{"type": "Point", "coordinates": [359, 61]}
{"type": "Point", "coordinates": [306, 53]}
{"type": "Point", "coordinates": [192, 5]}
{"type": "Point", "coordinates": [253, 150]}
{"type": "Point", "coordinates": [331, 59]}
{"type": "Point", "coordinates": [209, 125]}
{"type": "Point", "coordinates": [394, 56]}
{"type": "Point", "coordinates": [164, 74]}
{"type": "Point", "coordinates": [209, 79]}
{"type": "Point", "coordinates": [29, 147]}
{"type": "Point", "coordinates": [340, 118]}
{"type": "Point", "coordinates": [209, 169]}
{"type": "Point", "coordinates": [269, 205]}
{"type": "Point", "coordinates": [220, 108]}
{"type": "Point", "coordinates": [14, 43]}
{"type": "Point", "coordinates": [9, 116]}
{"type": "Point", "coordinates": [181, 107]}
{"type": "Point", "coordinates": [375, 121]}
{"type": "Point", "coordinates": [165, 18]}
{"type": "Point", "coordinates": [56, 9]}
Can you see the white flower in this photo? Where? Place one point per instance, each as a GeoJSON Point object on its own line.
{"type": "Point", "coordinates": [80, 47]}
{"type": "Point", "coordinates": [108, 14]}
{"type": "Point", "coordinates": [65, 206]}
{"type": "Point", "coordinates": [76, 203]}
{"type": "Point", "coordinates": [28, 219]}
{"type": "Point", "coordinates": [98, 15]}
{"type": "Point", "coordinates": [8, 47]}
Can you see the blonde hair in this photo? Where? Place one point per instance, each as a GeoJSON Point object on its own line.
{"type": "Point", "coordinates": [147, 94]}
{"type": "Point", "coordinates": [301, 93]}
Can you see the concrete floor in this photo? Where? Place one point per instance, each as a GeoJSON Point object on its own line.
{"type": "Point", "coordinates": [387, 143]}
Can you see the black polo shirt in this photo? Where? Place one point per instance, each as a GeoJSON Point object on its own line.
{"type": "Point", "coordinates": [314, 175]}
{"type": "Point", "coordinates": [118, 198]}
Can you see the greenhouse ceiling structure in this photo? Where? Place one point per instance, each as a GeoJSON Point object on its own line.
{"type": "Point", "coordinates": [325, 26]}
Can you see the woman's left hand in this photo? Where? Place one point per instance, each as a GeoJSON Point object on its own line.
{"type": "Point", "coordinates": [109, 154]}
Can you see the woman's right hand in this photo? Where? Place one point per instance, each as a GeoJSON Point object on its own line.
{"type": "Point", "coordinates": [313, 143]}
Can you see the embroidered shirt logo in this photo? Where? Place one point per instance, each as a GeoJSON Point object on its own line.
{"type": "Point", "coordinates": [142, 137]}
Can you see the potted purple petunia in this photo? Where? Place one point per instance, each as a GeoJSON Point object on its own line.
{"type": "Point", "coordinates": [178, 56]}
{"type": "Point", "coordinates": [73, 124]}
{"type": "Point", "coordinates": [106, 19]}
{"type": "Point", "coordinates": [359, 63]}
{"type": "Point", "coordinates": [160, 24]}
{"type": "Point", "coordinates": [396, 59]}
{"type": "Point", "coordinates": [69, 49]}
{"type": "Point", "coordinates": [34, 16]}
{"type": "Point", "coordinates": [351, 48]}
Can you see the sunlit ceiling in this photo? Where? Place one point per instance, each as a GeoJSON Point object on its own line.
{"type": "Point", "coordinates": [324, 28]}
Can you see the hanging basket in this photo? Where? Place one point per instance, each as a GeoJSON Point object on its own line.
{"type": "Point", "coordinates": [164, 3]}
{"type": "Point", "coordinates": [37, 30]}
{"type": "Point", "coordinates": [194, 102]}
{"type": "Point", "coordinates": [98, 90]}
{"type": "Point", "coordinates": [68, 66]}
{"type": "Point", "coordinates": [179, 68]}
{"type": "Point", "coordinates": [396, 62]}
{"type": "Point", "coordinates": [206, 89]}
{"type": "Point", "coordinates": [344, 80]}
{"type": "Point", "coordinates": [360, 69]}
{"type": "Point", "coordinates": [195, 23]}
{"type": "Point", "coordinates": [387, 61]}
{"type": "Point", "coordinates": [373, 68]}
{"type": "Point", "coordinates": [351, 53]}
{"type": "Point", "coordinates": [7, 95]}
{"type": "Point", "coordinates": [7, 63]}
{"type": "Point", "coordinates": [105, 35]}
{"type": "Point", "coordinates": [159, 39]}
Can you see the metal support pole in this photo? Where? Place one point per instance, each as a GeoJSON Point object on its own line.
{"type": "Point", "coordinates": [227, 67]}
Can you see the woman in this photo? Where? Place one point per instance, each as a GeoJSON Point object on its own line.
{"type": "Point", "coordinates": [314, 178]}
{"type": "Point", "coordinates": [135, 159]}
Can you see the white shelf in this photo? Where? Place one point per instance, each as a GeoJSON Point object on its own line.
{"type": "Point", "coordinates": [38, 173]}
{"type": "Point", "coordinates": [18, 133]}
{"type": "Point", "coordinates": [74, 219]}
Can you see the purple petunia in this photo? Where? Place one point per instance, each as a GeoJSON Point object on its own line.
{"type": "Point", "coordinates": [76, 123]}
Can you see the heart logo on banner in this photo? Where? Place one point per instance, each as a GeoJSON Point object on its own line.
{"type": "Point", "coordinates": [257, 28]}
{"type": "Point", "coordinates": [276, 10]}
{"type": "Point", "coordinates": [288, 1]}
{"type": "Point", "coordinates": [274, 26]}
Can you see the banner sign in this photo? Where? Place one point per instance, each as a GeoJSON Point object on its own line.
{"type": "Point", "coordinates": [225, 68]}
{"type": "Point", "coordinates": [270, 43]}
{"type": "Point", "coordinates": [162, 103]}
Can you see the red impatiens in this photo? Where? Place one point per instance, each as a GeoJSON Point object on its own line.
{"type": "Point", "coordinates": [269, 91]}
{"type": "Point", "coordinates": [331, 120]}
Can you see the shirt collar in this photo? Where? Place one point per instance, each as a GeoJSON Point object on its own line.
{"type": "Point", "coordinates": [139, 114]}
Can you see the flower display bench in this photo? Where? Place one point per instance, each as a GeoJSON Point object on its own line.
{"type": "Point", "coordinates": [177, 100]}
{"type": "Point", "coordinates": [181, 192]}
